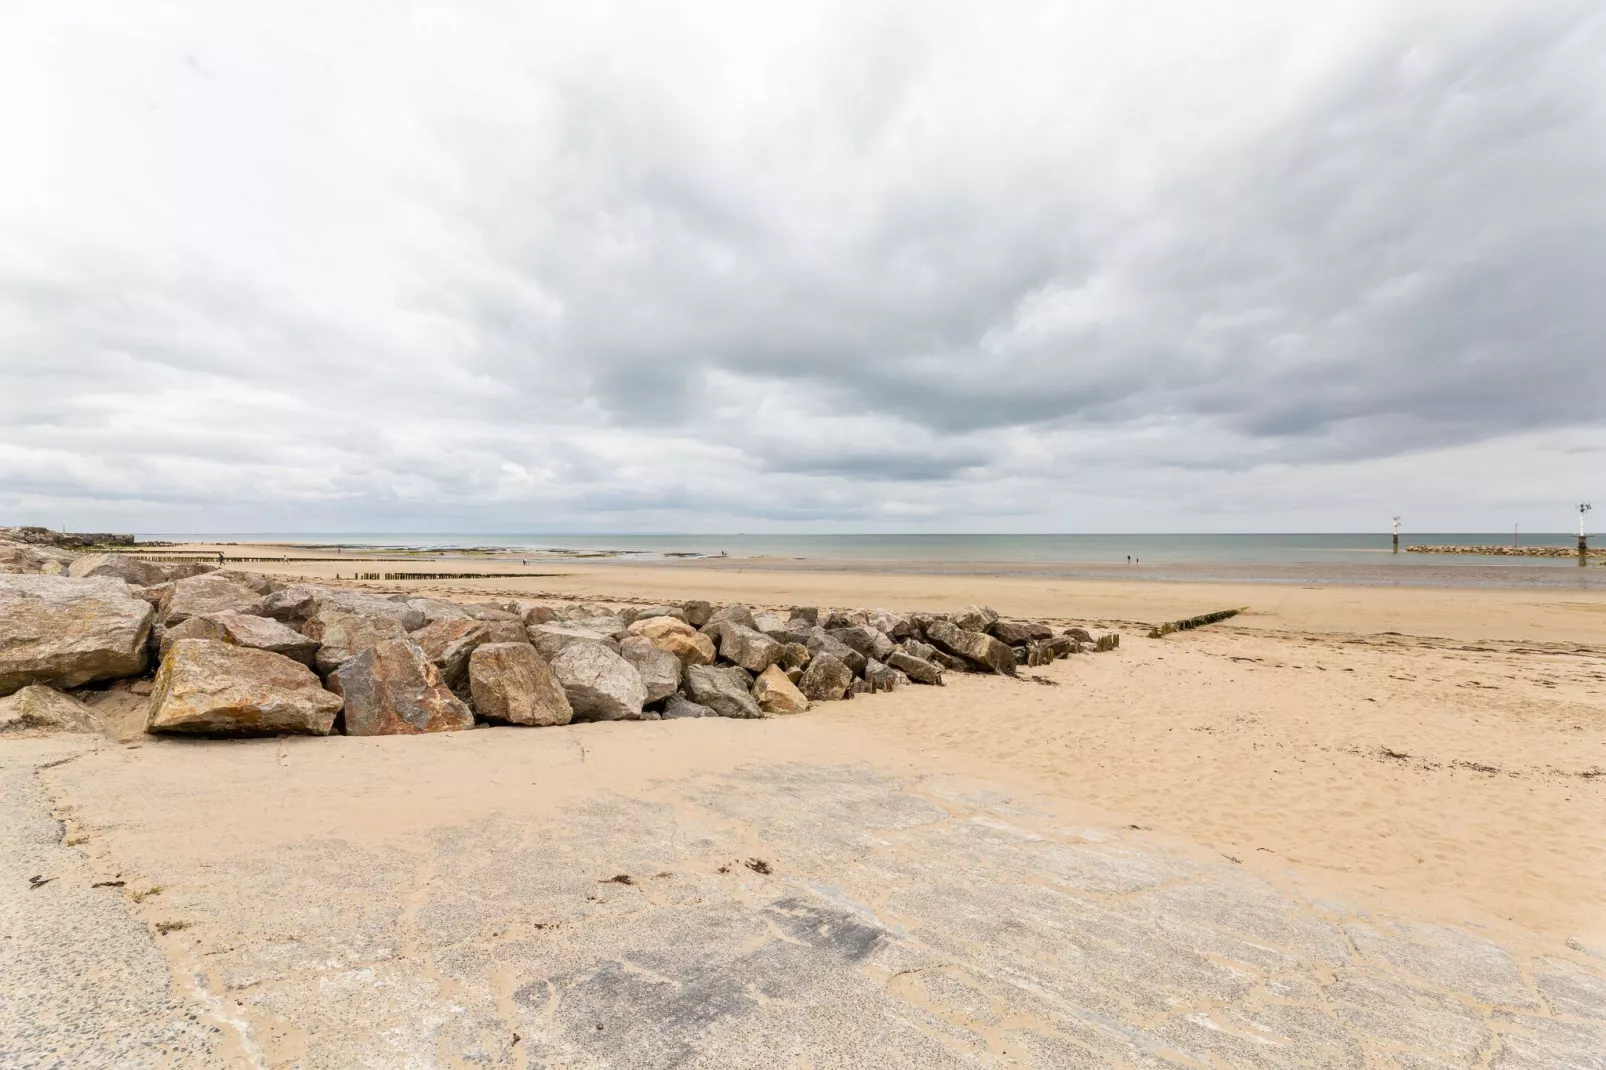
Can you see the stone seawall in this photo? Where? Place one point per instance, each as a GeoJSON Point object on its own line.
{"type": "Point", "coordinates": [1507, 551]}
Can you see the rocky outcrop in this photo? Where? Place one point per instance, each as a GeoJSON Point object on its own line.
{"type": "Point", "coordinates": [978, 648]}
{"type": "Point", "coordinates": [741, 645]}
{"type": "Point", "coordinates": [392, 689]}
{"type": "Point", "coordinates": [601, 685]}
{"type": "Point", "coordinates": [343, 635]}
{"type": "Point", "coordinates": [776, 694]}
{"type": "Point", "coordinates": [211, 688]}
{"type": "Point", "coordinates": [243, 629]}
{"type": "Point", "coordinates": [449, 643]}
{"type": "Point", "coordinates": [826, 679]}
{"type": "Point", "coordinates": [723, 690]}
{"type": "Point", "coordinates": [67, 632]}
{"type": "Point", "coordinates": [659, 669]}
{"type": "Point", "coordinates": [919, 670]}
{"type": "Point", "coordinates": [39, 708]}
{"type": "Point", "coordinates": [511, 682]}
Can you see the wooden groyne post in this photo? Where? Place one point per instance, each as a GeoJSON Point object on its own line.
{"type": "Point", "coordinates": [1583, 539]}
{"type": "Point", "coordinates": [1396, 534]}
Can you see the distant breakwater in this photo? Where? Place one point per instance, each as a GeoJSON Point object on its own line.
{"type": "Point", "coordinates": [1506, 551]}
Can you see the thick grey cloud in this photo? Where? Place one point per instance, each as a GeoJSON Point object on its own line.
{"type": "Point", "coordinates": [1030, 266]}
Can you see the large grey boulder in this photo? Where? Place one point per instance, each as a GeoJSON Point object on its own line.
{"type": "Point", "coordinates": [532, 612]}
{"type": "Point", "coordinates": [723, 690]}
{"type": "Point", "coordinates": [697, 612]}
{"type": "Point", "coordinates": [511, 682]}
{"type": "Point", "coordinates": [977, 648]}
{"type": "Point", "coordinates": [648, 612]}
{"type": "Point", "coordinates": [343, 635]}
{"type": "Point", "coordinates": [1021, 632]}
{"type": "Point", "coordinates": [774, 693]}
{"type": "Point", "coordinates": [610, 624]}
{"type": "Point", "coordinates": [734, 613]}
{"type": "Point", "coordinates": [438, 609]}
{"type": "Point", "coordinates": [679, 706]}
{"type": "Point", "coordinates": [395, 607]}
{"type": "Point", "coordinates": [752, 650]}
{"type": "Point", "coordinates": [866, 640]}
{"type": "Point", "coordinates": [242, 629]}
{"type": "Point", "coordinates": [976, 618]}
{"type": "Point", "coordinates": [822, 642]}
{"type": "Point", "coordinates": [893, 625]}
{"type": "Point", "coordinates": [39, 708]}
{"type": "Point", "coordinates": [392, 689]}
{"type": "Point", "coordinates": [919, 670]}
{"type": "Point", "coordinates": [601, 685]}
{"type": "Point", "coordinates": [215, 592]}
{"type": "Point", "coordinates": [826, 679]}
{"type": "Point", "coordinates": [294, 604]}
{"type": "Point", "coordinates": [131, 570]}
{"type": "Point", "coordinates": [448, 643]}
{"type": "Point", "coordinates": [769, 623]}
{"type": "Point", "coordinates": [213, 688]}
{"type": "Point", "coordinates": [550, 640]}
{"type": "Point", "coordinates": [659, 669]}
{"type": "Point", "coordinates": [65, 632]}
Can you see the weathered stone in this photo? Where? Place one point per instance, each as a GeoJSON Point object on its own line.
{"type": "Point", "coordinates": [843, 618]}
{"type": "Point", "coordinates": [893, 625]}
{"type": "Point", "coordinates": [826, 679]}
{"type": "Point", "coordinates": [976, 618]}
{"type": "Point", "coordinates": [304, 601]}
{"type": "Point", "coordinates": [774, 693]}
{"type": "Point", "coordinates": [793, 656]}
{"type": "Point", "coordinates": [66, 632]}
{"type": "Point", "coordinates": [678, 706]}
{"type": "Point", "coordinates": [505, 631]}
{"type": "Point", "coordinates": [601, 685]}
{"type": "Point", "coordinates": [39, 708]}
{"type": "Point", "coordinates": [534, 612]}
{"type": "Point", "coordinates": [215, 592]}
{"type": "Point", "coordinates": [1020, 632]}
{"type": "Point", "coordinates": [865, 639]}
{"type": "Point", "coordinates": [131, 570]}
{"type": "Point", "coordinates": [342, 635]}
{"type": "Point", "coordinates": [449, 643]}
{"type": "Point", "coordinates": [610, 625]}
{"type": "Point", "coordinates": [919, 670]}
{"type": "Point", "coordinates": [392, 689]}
{"type": "Point", "coordinates": [654, 627]}
{"type": "Point", "coordinates": [21, 558]}
{"type": "Point", "coordinates": [213, 688]}
{"type": "Point", "coordinates": [649, 612]}
{"type": "Point", "coordinates": [1063, 646]}
{"type": "Point", "coordinates": [294, 604]}
{"type": "Point", "coordinates": [882, 677]}
{"type": "Point", "coordinates": [975, 647]}
{"type": "Point", "coordinates": [769, 623]}
{"type": "Point", "coordinates": [752, 650]}
{"type": "Point", "coordinates": [723, 690]}
{"type": "Point", "coordinates": [734, 613]}
{"type": "Point", "coordinates": [694, 649]}
{"type": "Point", "coordinates": [916, 648]}
{"type": "Point", "coordinates": [659, 669]}
{"type": "Point", "coordinates": [822, 642]}
{"type": "Point", "coordinates": [1081, 635]}
{"type": "Point", "coordinates": [511, 682]}
{"type": "Point", "coordinates": [438, 609]}
{"type": "Point", "coordinates": [551, 639]}
{"type": "Point", "coordinates": [809, 615]}
{"type": "Point", "coordinates": [859, 687]}
{"type": "Point", "coordinates": [242, 629]}
{"type": "Point", "coordinates": [697, 612]}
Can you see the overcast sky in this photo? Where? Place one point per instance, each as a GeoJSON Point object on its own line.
{"type": "Point", "coordinates": [479, 266]}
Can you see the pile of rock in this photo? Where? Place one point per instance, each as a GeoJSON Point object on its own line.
{"type": "Point", "coordinates": [239, 654]}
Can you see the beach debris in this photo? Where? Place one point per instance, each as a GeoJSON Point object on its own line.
{"type": "Point", "coordinates": [392, 688]}
{"type": "Point", "coordinates": [1161, 630]}
{"type": "Point", "coordinates": [512, 683]}
{"type": "Point", "coordinates": [165, 927]}
{"type": "Point", "coordinates": [40, 708]}
{"type": "Point", "coordinates": [775, 693]}
{"type": "Point", "coordinates": [660, 669]}
{"type": "Point", "coordinates": [726, 691]}
{"type": "Point", "coordinates": [601, 685]}
{"type": "Point", "coordinates": [68, 632]}
{"type": "Point", "coordinates": [758, 865]}
{"type": "Point", "coordinates": [39, 880]}
{"type": "Point", "coordinates": [108, 884]}
{"type": "Point", "coordinates": [622, 878]}
{"type": "Point", "coordinates": [212, 688]}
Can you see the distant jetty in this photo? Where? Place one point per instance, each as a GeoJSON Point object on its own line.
{"type": "Point", "coordinates": [1506, 551]}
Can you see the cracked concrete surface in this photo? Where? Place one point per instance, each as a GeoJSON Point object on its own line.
{"type": "Point", "coordinates": [784, 909]}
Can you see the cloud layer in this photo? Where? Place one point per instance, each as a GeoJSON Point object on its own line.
{"type": "Point", "coordinates": [971, 267]}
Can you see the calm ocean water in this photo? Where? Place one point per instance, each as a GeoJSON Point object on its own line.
{"type": "Point", "coordinates": [1369, 551]}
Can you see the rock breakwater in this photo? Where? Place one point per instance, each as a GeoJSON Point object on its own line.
{"type": "Point", "coordinates": [1507, 551]}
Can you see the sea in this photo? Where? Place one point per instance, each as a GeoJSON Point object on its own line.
{"type": "Point", "coordinates": [1364, 558]}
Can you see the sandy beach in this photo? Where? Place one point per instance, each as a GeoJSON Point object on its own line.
{"type": "Point", "coordinates": [1421, 770]}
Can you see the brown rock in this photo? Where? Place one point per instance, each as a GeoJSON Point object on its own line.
{"type": "Point", "coordinates": [1020, 632]}
{"type": "Point", "coordinates": [448, 644]}
{"type": "Point", "coordinates": [975, 647]}
{"type": "Point", "coordinates": [66, 632]}
{"type": "Point", "coordinates": [723, 690]}
{"type": "Point", "coordinates": [392, 689]}
{"type": "Point", "coordinates": [697, 612]}
{"type": "Point", "coordinates": [241, 629]}
{"type": "Point", "coordinates": [343, 635]}
{"type": "Point", "coordinates": [694, 649]}
{"type": "Point", "coordinates": [919, 670]}
{"type": "Point", "coordinates": [774, 693]}
{"type": "Point", "coordinates": [214, 688]}
{"type": "Point", "coordinates": [976, 618]}
{"type": "Point", "coordinates": [511, 682]}
{"type": "Point", "coordinates": [44, 709]}
{"type": "Point", "coordinates": [826, 679]}
{"type": "Point", "coordinates": [601, 685]}
{"type": "Point", "coordinates": [659, 668]}
{"type": "Point", "coordinates": [505, 631]}
{"type": "Point", "coordinates": [215, 592]}
{"type": "Point", "coordinates": [752, 650]}
{"type": "Point", "coordinates": [656, 627]}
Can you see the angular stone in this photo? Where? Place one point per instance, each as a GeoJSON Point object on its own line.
{"type": "Point", "coordinates": [294, 604]}
{"type": "Point", "coordinates": [490, 612]}
{"type": "Point", "coordinates": [534, 613]}
{"type": "Point", "coordinates": [654, 627]}
{"type": "Point", "coordinates": [678, 706]}
{"type": "Point", "coordinates": [723, 690]}
{"type": "Point", "coordinates": [511, 682]}
{"type": "Point", "coordinates": [215, 592]}
{"type": "Point", "coordinates": [697, 612]}
{"type": "Point", "coordinates": [882, 677]}
{"type": "Point", "coordinates": [768, 623]}
{"type": "Point", "coordinates": [44, 709]}
{"type": "Point", "coordinates": [976, 618]}
{"type": "Point", "coordinates": [649, 612]}
{"type": "Point", "coordinates": [659, 669]}
{"type": "Point", "coordinates": [916, 648]}
{"type": "Point", "coordinates": [865, 639]}
{"type": "Point", "coordinates": [66, 632]}
{"type": "Point", "coordinates": [809, 615]}
{"type": "Point", "coordinates": [449, 643]}
{"type": "Point", "coordinates": [694, 649]}
{"type": "Point", "coordinates": [893, 625]}
{"type": "Point", "coordinates": [505, 631]}
{"type": "Point", "coordinates": [551, 639]}
{"type": "Point", "coordinates": [343, 635]}
{"type": "Point", "coordinates": [22, 559]}
{"type": "Point", "coordinates": [1020, 632]}
{"type": "Point", "coordinates": [306, 601]}
{"type": "Point", "coordinates": [610, 625]}
{"type": "Point", "coordinates": [822, 642]}
{"type": "Point", "coordinates": [1081, 635]}
{"type": "Point", "coordinates": [210, 688]}
{"type": "Point", "coordinates": [826, 679]}
{"type": "Point", "coordinates": [1063, 646]}
{"type": "Point", "coordinates": [919, 670]}
{"type": "Point", "coordinates": [438, 609]}
{"type": "Point", "coordinates": [131, 570]}
{"type": "Point", "coordinates": [774, 693]}
{"type": "Point", "coordinates": [734, 613]}
{"type": "Point", "coordinates": [975, 647]}
{"type": "Point", "coordinates": [752, 650]}
{"type": "Point", "coordinates": [392, 689]}
{"type": "Point", "coordinates": [242, 629]}
{"type": "Point", "coordinates": [601, 685]}
{"type": "Point", "coordinates": [793, 656]}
